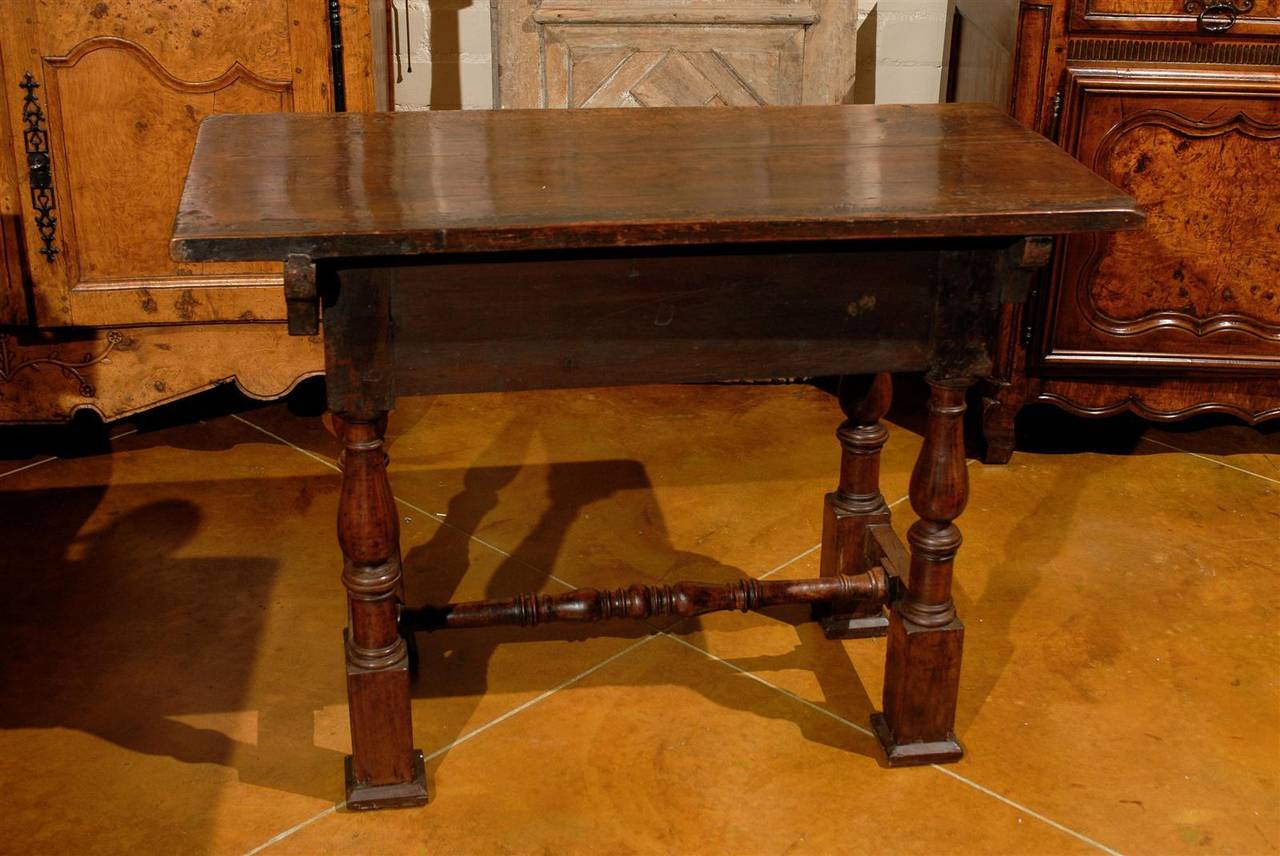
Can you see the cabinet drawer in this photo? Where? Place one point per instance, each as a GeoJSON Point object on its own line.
{"type": "Point", "coordinates": [1219, 17]}
{"type": "Point", "coordinates": [1199, 287]}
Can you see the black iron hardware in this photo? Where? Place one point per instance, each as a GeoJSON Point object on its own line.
{"type": "Point", "coordinates": [1055, 118]}
{"type": "Point", "coordinates": [335, 57]}
{"type": "Point", "coordinates": [39, 167]}
{"type": "Point", "coordinates": [1218, 16]}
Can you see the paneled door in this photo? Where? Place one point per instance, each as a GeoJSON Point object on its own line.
{"type": "Point", "coordinates": [103, 102]}
{"type": "Point", "coordinates": [654, 53]}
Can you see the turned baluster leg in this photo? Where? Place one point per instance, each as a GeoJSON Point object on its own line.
{"type": "Point", "coordinates": [856, 503]}
{"type": "Point", "coordinates": [922, 667]}
{"type": "Point", "coordinates": [383, 770]}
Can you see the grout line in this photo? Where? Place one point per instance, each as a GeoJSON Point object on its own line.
{"type": "Point", "coordinates": [1210, 460]}
{"type": "Point", "coordinates": [470, 734]}
{"type": "Point", "coordinates": [295, 828]}
{"type": "Point", "coordinates": [439, 518]}
{"type": "Point", "coordinates": [542, 696]}
{"type": "Point", "coordinates": [863, 730]}
{"type": "Point", "coordinates": [46, 460]}
{"type": "Point", "coordinates": [17, 470]}
{"type": "Point", "coordinates": [274, 436]}
{"type": "Point", "coordinates": [788, 562]}
{"type": "Point", "coordinates": [788, 693]}
{"type": "Point", "coordinates": [1027, 811]}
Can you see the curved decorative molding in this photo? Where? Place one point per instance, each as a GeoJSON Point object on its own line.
{"type": "Point", "coordinates": [1239, 123]}
{"type": "Point", "coordinates": [235, 73]}
{"type": "Point", "coordinates": [69, 369]}
{"type": "Point", "coordinates": [1133, 403]}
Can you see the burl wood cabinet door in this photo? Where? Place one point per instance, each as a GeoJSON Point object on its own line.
{"type": "Point", "coordinates": [108, 96]}
{"type": "Point", "coordinates": [1199, 287]}
{"type": "Point", "coordinates": [653, 53]}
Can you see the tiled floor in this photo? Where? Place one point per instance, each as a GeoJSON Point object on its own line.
{"type": "Point", "coordinates": [173, 675]}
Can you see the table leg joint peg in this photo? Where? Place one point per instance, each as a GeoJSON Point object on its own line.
{"type": "Point", "coordinates": [410, 794]}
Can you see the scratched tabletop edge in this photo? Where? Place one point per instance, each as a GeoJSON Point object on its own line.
{"type": "Point", "coordinates": [265, 186]}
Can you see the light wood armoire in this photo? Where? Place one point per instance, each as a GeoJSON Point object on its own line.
{"type": "Point", "coordinates": [101, 103]}
{"type": "Point", "coordinates": [656, 53]}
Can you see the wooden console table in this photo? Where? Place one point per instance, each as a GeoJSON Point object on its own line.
{"type": "Point", "coordinates": [461, 252]}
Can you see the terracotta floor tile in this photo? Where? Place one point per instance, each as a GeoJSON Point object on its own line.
{"type": "Point", "coordinates": [1119, 672]}
{"type": "Point", "coordinates": [667, 751]}
{"type": "Point", "coordinates": [612, 486]}
{"type": "Point", "coordinates": [171, 644]}
{"type": "Point", "coordinates": [1252, 448]}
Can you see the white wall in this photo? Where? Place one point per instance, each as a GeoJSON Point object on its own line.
{"type": "Point", "coordinates": [910, 41]}
{"type": "Point", "coordinates": [450, 52]}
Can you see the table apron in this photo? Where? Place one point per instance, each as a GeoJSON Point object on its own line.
{"type": "Point", "coordinates": [474, 324]}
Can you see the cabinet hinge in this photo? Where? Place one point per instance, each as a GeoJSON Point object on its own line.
{"type": "Point", "coordinates": [1028, 316]}
{"type": "Point", "coordinates": [1055, 117]}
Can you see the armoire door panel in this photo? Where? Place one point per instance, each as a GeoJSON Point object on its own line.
{"type": "Point", "coordinates": [1199, 287]}
{"type": "Point", "coordinates": [117, 167]}
{"type": "Point", "coordinates": [123, 88]}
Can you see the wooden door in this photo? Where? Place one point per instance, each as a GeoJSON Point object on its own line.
{"type": "Point", "coordinates": [104, 100]}
{"type": "Point", "coordinates": [647, 53]}
{"type": "Point", "coordinates": [1199, 288]}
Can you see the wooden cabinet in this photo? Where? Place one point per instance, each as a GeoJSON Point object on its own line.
{"type": "Point", "coordinates": [651, 53]}
{"type": "Point", "coordinates": [102, 102]}
{"type": "Point", "coordinates": [1183, 111]}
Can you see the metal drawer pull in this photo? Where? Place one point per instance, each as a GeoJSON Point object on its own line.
{"type": "Point", "coordinates": [1220, 15]}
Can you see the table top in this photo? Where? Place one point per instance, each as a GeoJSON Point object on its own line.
{"type": "Point", "coordinates": [264, 186]}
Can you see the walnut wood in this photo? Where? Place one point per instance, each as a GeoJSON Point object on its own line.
{"type": "Point", "coordinates": [382, 750]}
{"type": "Point", "coordinates": [922, 667]}
{"type": "Point", "coordinates": [543, 306]}
{"type": "Point", "coordinates": [856, 503]}
{"type": "Point", "coordinates": [611, 318]}
{"type": "Point", "coordinates": [684, 599]}
{"type": "Point", "coordinates": [266, 186]}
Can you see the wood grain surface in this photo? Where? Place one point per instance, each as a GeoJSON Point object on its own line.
{"type": "Point", "coordinates": [265, 186]}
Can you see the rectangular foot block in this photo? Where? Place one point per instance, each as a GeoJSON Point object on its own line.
{"type": "Point", "coordinates": [918, 753]}
{"type": "Point", "coordinates": [408, 794]}
{"type": "Point", "coordinates": [855, 626]}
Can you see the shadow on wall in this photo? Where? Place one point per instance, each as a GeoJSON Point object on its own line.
{"type": "Point", "coordinates": [864, 81]}
{"type": "Point", "coordinates": [438, 48]}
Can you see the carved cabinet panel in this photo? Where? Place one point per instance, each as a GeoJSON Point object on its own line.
{"type": "Point", "coordinates": [121, 88]}
{"type": "Point", "coordinates": [101, 105]}
{"type": "Point", "coordinates": [650, 53]}
{"type": "Point", "coordinates": [1200, 286]}
{"type": "Point", "coordinates": [1183, 316]}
